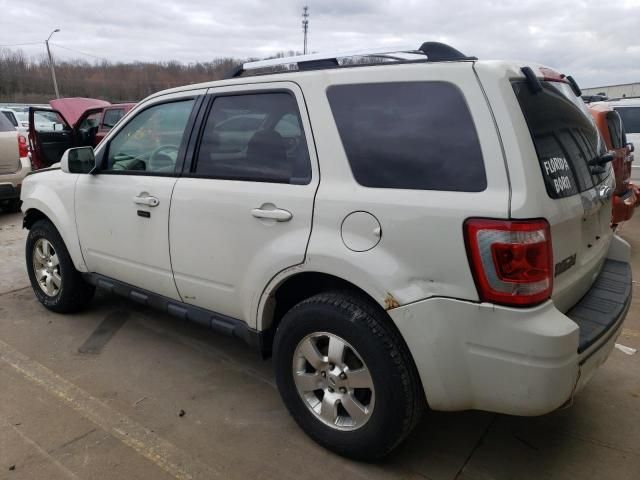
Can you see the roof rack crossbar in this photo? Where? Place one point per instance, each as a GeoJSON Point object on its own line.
{"type": "Point", "coordinates": [433, 51]}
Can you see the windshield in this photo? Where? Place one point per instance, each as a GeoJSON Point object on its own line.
{"type": "Point", "coordinates": [630, 118]}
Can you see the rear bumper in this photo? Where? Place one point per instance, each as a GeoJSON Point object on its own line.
{"type": "Point", "coordinates": [10, 183]}
{"type": "Point", "coordinates": [508, 360]}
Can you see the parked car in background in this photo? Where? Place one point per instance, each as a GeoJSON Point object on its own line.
{"type": "Point", "coordinates": [71, 122]}
{"type": "Point", "coordinates": [625, 196]}
{"type": "Point", "coordinates": [110, 116]}
{"type": "Point", "coordinates": [629, 110]}
{"type": "Point", "coordinates": [14, 164]}
{"type": "Point", "coordinates": [453, 253]}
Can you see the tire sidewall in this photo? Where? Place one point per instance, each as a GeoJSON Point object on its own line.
{"type": "Point", "coordinates": [386, 422]}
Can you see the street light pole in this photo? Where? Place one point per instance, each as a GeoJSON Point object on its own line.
{"type": "Point", "coordinates": [53, 71]}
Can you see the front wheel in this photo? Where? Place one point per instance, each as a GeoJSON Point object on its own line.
{"type": "Point", "coordinates": [346, 375]}
{"type": "Point", "coordinates": [55, 281]}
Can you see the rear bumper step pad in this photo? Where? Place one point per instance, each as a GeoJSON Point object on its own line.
{"type": "Point", "coordinates": [604, 304]}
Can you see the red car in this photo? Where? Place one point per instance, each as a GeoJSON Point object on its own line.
{"type": "Point", "coordinates": [626, 195]}
{"type": "Point", "coordinates": [70, 122]}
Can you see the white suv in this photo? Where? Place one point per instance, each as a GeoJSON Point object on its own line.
{"type": "Point", "coordinates": [427, 229]}
{"type": "Point", "coordinates": [629, 110]}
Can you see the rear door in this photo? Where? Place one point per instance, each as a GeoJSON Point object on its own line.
{"type": "Point", "coordinates": [242, 213]}
{"type": "Point", "coordinates": [50, 135]}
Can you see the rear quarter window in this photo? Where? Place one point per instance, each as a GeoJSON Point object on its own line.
{"type": "Point", "coordinates": [409, 135]}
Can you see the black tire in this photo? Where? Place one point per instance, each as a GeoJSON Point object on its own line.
{"type": "Point", "coordinates": [399, 397]}
{"type": "Point", "coordinates": [74, 293]}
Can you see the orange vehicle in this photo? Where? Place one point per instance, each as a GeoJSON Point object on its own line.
{"type": "Point", "coordinates": [626, 195]}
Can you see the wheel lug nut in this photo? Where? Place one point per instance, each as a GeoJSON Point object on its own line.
{"type": "Point", "coordinates": [343, 390]}
{"type": "Point", "coordinates": [343, 376]}
{"type": "Point", "coordinates": [330, 390]}
{"type": "Point", "coordinates": [324, 374]}
{"type": "Point", "coordinates": [331, 366]}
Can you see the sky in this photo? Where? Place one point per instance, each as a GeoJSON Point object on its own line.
{"type": "Point", "coordinates": [598, 42]}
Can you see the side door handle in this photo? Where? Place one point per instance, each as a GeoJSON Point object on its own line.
{"type": "Point", "coordinates": [277, 214]}
{"type": "Point", "coordinates": [147, 200]}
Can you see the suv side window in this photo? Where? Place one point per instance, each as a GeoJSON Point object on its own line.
{"type": "Point", "coordinates": [254, 137]}
{"type": "Point", "coordinates": [151, 140]}
{"type": "Point", "coordinates": [411, 135]}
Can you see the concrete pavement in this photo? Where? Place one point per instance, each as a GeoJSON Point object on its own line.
{"type": "Point", "coordinates": [99, 394]}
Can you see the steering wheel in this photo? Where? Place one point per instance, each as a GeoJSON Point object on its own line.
{"type": "Point", "coordinates": [160, 157]}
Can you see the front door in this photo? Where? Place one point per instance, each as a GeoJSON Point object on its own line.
{"type": "Point", "coordinates": [50, 135]}
{"type": "Point", "coordinates": [122, 211]}
{"type": "Point", "coordinates": [243, 211]}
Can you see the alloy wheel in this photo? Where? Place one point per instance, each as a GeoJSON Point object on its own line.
{"type": "Point", "coordinates": [333, 381]}
{"type": "Point", "coordinates": [46, 267]}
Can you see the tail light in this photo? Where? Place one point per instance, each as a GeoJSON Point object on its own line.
{"type": "Point", "coordinates": [22, 146]}
{"type": "Point", "coordinates": [511, 260]}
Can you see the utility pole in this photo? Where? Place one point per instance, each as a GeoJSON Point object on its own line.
{"type": "Point", "coordinates": [53, 71]}
{"type": "Point", "coordinates": [305, 26]}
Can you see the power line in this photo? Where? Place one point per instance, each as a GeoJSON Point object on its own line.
{"type": "Point", "coordinates": [80, 51]}
{"type": "Point", "coordinates": [20, 44]}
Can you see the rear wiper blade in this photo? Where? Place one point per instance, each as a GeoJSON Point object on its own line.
{"type": "Point", "coordinates": [602, 159]}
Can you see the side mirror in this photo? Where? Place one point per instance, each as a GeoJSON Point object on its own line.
{"type": "Point", "coordinates": [78, 160]}
{"type": "Point", "coordinates": [630, 147]}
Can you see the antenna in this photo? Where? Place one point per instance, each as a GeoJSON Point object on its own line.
{"type": "Point", "coordinates": [305, 26]}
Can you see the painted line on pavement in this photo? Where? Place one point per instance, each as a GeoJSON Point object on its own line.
{"type": "Point", "coordinates": [151, 446]}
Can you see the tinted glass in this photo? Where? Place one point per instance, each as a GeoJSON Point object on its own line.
{"type": "Point", "coordinates": [409, 135]}
{"type": "Point", "coordinates": [111, 117]}
{"type": "Point", "coordinates": [11, 117]}
{"type": "Point", "coordinates": [630, 118]}
{"type": "Point", "coordinates": [564, 136]}
{"type": "Point", "coordinates": [255, 137]}
{"type": "Point", "coordinates": [6, 125]}
{"type": "Point", "coordinates": [150, 141]}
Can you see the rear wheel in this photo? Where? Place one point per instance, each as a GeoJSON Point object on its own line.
{"type": "Point", "coordinates": [346, 376]}
{"type": "Point", "coordinates": [55, 281]}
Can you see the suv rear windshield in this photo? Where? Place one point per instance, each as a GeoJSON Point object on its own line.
{"type": "Point", "coordinates": [630, 118]}
{"type": "Point", "coordinates": [411, 135]}
{"type": "Point", "coordinates": [564, 136]}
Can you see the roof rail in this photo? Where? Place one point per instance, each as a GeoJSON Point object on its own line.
{"type": "Point", "coordinates": [433, 51]}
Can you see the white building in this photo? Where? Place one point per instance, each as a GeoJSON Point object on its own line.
{"type": "Point", "coordinates": [615, 91]}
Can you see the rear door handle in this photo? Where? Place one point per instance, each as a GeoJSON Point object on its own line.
{"type": "Point", "coordinates": [146, 200]}
{"type": "Point", "coordinates": [277, 214]}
